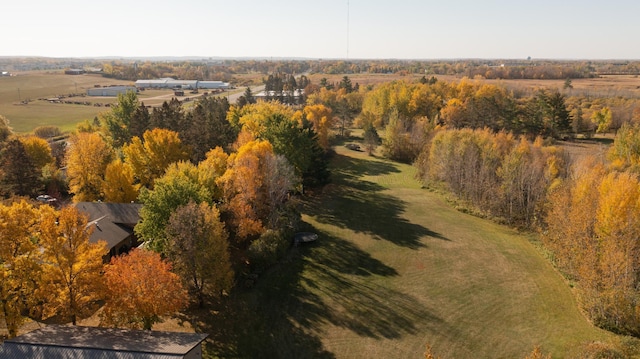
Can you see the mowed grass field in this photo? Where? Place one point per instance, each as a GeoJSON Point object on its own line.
{"type": "Point", "coordinates": [395, 268]}
{"type": "Point", "coordinates": [34, 85]}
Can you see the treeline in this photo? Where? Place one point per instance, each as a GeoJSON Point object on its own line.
{"type": "Point", "coordinates": [224, 69]}
{"type": "Point", "coordinates": [505, 176]}
{"type": "Point", "coordinates": [592, 227]}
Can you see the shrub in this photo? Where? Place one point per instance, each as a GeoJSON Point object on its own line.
{"type": "Point", "coordinates": [268, 249]}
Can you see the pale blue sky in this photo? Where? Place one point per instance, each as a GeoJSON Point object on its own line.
{"type": "Point", "coordinates": [405, 29]}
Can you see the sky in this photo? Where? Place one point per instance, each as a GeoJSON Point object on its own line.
{"type": "Point", "coordinates": [323, 29]}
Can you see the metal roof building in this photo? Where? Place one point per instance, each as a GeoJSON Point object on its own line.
{"type": "Point", "coordinates": [57, 341]}
{"type": "Point", "coordinates": [111, 91]}
{"type": "Point", "coordinates": [169, 83]}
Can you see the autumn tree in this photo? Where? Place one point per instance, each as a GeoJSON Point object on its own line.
{"type": "Point", "coordinates": [118, 185]}
{"type": "Point", "coordinates": [625, 151]}
{"type": "Point", "coordinates": [199, 249]}
{"type": "Point", "coordinates": [180, 185]}
{"type": "Point", "coordinates": [289, 136]}
{"type": "Point", "coordinates": [18, 174]}
{"type": "Point", "coordinates": [322, 119]}
{"type": "Point", "coordinates": [5, 130]}
{"type": "Point", "coordinates": [47, 132]}
{"type": "Point", "coordinates": [139, 290]}
{"type": "Point", "coordinates": [87, 158]}
{"type": "Point", "coordinates": [20, 263]}
{"type": "Point", "coordinates": [38, 151]}
{"type": "Point", "coordinates": [150, 156]}
{"type": "Point", "coordinates": [252, 196]}
{"type": "Point", "coordinates": [72, 266]}
{"type": "Point", "coordinates": [602, 119]}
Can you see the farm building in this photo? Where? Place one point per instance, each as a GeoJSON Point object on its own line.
{"type": "Point", "coordinates": [111, 91]}
{"type": "Point", "coordinates": [57, 341]}
{"type": "Point", "coordinates": [295, 97]}
{"type": "Point", "coordinates": [169, 83]}
{"type": "Point", "coordinates": [112, 223]}
{"type": "Point", "coordinates": [155, 83]}
{"type": "Point", "coordinates": [212, 85]}
{"type": "Point", "coordinates": [74, 71]}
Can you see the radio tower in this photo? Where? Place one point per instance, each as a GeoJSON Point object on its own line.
{"type": "Point", "coordinates": [347, 29]}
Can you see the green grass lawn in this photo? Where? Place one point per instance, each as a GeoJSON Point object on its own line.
{"type": "Point", "coordinates": [396, 268]}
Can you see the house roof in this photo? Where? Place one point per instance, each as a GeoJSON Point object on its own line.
{"type": "Point", "coordinates": [112, 222]}
{"type": "Point", "coordinates": [92, 342]}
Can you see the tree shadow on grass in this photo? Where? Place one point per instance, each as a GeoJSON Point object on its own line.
{"type": "Point", "coordinates": [327, 282]}
{"type": "Point", "coordinates": [330, 282]}
{"type": "Point", "coordinates": [345, 286]}
{"type": "Point", "coordinates": [353, 203]}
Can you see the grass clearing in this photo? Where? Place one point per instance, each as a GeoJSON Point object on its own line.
{"type": "Point", "coordinates": [396, 268]}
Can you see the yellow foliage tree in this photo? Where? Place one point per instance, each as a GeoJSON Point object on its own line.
{"type": "Point", "coordinates": [19, 262]}
{"type": "Point", "coordinates": [87, 158]}
{"type": "Point", "coordinates": [150, 157]}
{"type": "Point", "coordinates": [323, 121]}
{"type": "Point", "coordinates": [242, 184]}
{"type": "Point", "coordinates": [38, 150]}
{"type": "Point", "coordinates": [72, 266]}
{"type": "Point", "coordinates": [118, 184]}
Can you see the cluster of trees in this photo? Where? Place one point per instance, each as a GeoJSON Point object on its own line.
{"type": "Point", "coordinates": [48, 268]}
{"type": "Point", "coordinates": [468, 104]}
{"type": "Point", "coordinates": [285, 88]}
{"type": "Point", "coordinates": [505, 176]}
{"type": "Point", "coordinates": [592, 226]}
{"type": "Point", "coordinates": [29, 164]}
{"type": "Point", "coordinates": [214, 179]}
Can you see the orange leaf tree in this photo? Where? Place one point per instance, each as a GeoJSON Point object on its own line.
{"type": "Point", "coordinates": [140, 289]}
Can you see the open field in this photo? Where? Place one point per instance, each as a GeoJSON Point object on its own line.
{"type": "Point", "coordinates": [31, 86]}
{"type": "Point", "coordinates": [19, 99]}
{"type": "Point", "coordinates": [396, 268]}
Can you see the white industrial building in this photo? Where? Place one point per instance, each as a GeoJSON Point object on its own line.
{"type": "Point", "coordinates": [169, 83]}
{"type": "Point", "coordinates": [111, 91]}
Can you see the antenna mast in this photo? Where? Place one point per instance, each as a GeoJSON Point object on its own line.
{"type": "Point", "coordinates": [347, 29]}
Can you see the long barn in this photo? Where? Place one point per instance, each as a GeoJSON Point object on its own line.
{"type": "Point", "coordinates": [169, 83]}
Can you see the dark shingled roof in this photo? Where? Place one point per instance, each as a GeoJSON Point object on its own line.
{"type": "Point", "coordinates": [112, 222]}
{"type": "Point", "coordinates": [57, 341]}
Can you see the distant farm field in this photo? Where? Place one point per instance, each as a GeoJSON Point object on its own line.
{"type": "Point", "coordinates": [396, 268]}
{"type": "Point", "coordinates": [19, 99]}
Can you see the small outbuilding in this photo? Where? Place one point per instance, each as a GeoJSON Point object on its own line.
{"type": "Point", "coordinates": [74, 71]}
{"type": "Point", "coordinates": [59, 341]}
